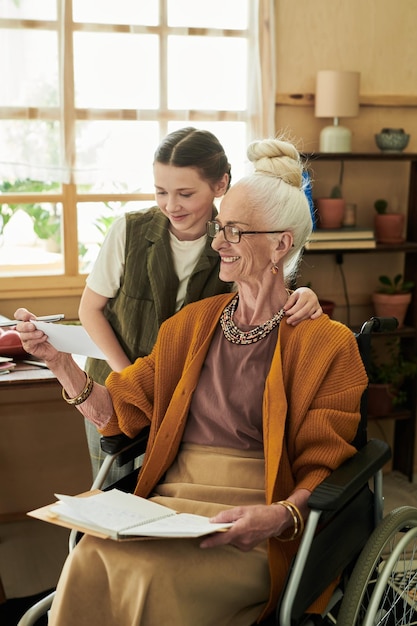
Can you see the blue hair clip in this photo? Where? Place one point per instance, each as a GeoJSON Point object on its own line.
{"type": "Point", "coordinates": [307, 188]}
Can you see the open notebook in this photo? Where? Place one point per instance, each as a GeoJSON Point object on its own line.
{"type": "Point", "coordinates": [118, 515]}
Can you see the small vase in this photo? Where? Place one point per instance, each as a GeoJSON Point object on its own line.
{"type": "Point", "coordinates": [328, 307]}
{"type": "Point", "coordinates": [392, 140]}
{"type": "Point", "coordinates": [391, 305]}
{"type": "Point", "coordinates": [380, 399]}
{"type": "Point", "coordinates": [389, 227]}
{"type": "Point", "coordinates": [331, 212]}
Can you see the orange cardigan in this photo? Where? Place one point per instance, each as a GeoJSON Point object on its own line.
{"type": "Point", "coordinates": [310, 407]}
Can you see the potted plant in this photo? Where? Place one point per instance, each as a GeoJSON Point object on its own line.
{"type": "Point", "coordinates": [6, 210]}
{"type": "Point", "coordinates": [6, 213]}
{"type": "Point", "coordinates": [46, 225]}
{"type": "Point", "coordinates": [388, 378]}
{"type": "Point", "coordinates": [328, 306]}
{"type": "Point", "coordinates": [331, 210]}
{"type": "Point", "coordinates": [389, 225]}
{"type": "Point", "coordinates": [393, 297]}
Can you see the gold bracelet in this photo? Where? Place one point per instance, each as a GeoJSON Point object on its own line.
{"type": "Point", "coordinates": [298, 520]}
{"type": "Point", "coordinates": [82, 397]}
{"type": "Point", "coordinates": [300, 517]}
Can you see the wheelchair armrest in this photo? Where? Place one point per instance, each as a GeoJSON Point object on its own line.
{"type": "Point", "coordinates": [342, 484]}
{"type": "Point", "coordinates": [122, 445]}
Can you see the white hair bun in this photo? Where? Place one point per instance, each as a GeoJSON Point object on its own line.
{"type": "Point", "coordinates": [277, 158]}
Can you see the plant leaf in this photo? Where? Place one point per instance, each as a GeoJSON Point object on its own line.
{"type": "Point", "coordinates": [385, 280]}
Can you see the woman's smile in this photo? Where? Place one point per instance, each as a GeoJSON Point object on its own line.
{"type": "Point", "coordinates": [174, 217]}
{"type": "Point", "coordinates": [229, 259]}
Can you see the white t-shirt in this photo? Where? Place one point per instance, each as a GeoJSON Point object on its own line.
{"type": "Point", "coordinates": [108, 269]}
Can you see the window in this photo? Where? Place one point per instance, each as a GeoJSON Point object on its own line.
{"type": "Point", "coordinates": [92, 89]}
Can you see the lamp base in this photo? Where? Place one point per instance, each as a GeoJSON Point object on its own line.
{"type": "Point", "coordinates": [335, 139]}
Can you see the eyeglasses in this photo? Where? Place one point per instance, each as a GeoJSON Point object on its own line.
{"type": "Point", "coordinates": [232, 233]}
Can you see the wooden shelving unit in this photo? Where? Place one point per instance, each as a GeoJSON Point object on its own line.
{"type": "Point", "coordinates": [405, 420]}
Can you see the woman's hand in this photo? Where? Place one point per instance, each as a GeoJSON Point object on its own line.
{"type": "Point", "coordinates": [251, 525]}
{"type": "Point", "coordinates": [301, 305]}
{"type": "Point", "coordinates": [98, 407]}
{"type": "Point", "coordinates": [34, 341]}
{"type": "Point", "coordinates": [256, 523]}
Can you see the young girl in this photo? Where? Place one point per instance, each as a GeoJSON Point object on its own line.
{"type": "Point", "coordinates": [154, 262]}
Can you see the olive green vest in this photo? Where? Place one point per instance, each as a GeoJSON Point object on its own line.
{"type": "Point", "coordinates": [149, 286]}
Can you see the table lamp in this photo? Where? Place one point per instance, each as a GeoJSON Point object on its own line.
{"type": "Point", "coordinates": [337, 95]}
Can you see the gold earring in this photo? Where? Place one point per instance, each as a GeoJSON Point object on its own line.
{"type": "Point", "coordinates": [274, 268]}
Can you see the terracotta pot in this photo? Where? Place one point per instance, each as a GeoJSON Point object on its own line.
{"type": "Point", "coordinates": [380, 399]}
{"type": "Point", "coordinates": [328, 307]}
{"type": "Point", "coordinates": [391, 305]}
{"type": "Point", "coordinates": [389, 227]}
{"type": "Point", "coordinates": [330, 212]}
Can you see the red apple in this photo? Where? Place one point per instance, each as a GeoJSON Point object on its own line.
{"type": "Point", "coordinates": [10, 344]}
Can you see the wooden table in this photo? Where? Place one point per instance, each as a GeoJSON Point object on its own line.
{"type": "Point", "coordinates": [43, 451]}
{"type": "Point", "coordinates": [43, 446]}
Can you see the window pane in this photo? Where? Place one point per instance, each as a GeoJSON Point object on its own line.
{"type": "Point", "coordinates": [30, 238]}
{"type": "Point", "coordinates": [114, 70]}
{"type": "Point", "coordinates": [28, 9]}
{"type": "Point", "coordinates": [120, 12]}
{"type": "Point", "coordinates": [20, 140]}
{"type": "Point", "coordinates": [232, 136]}
{"type": "Point", "coordinates": [30, 79]}
{"type": "Point", "coordinates": [196, 76]}
{"type": "Point", "coordinates": [223, 14]}
{"type": "Point", "coordinates": [94, 220]}
{"type": "Point", "coordinates": [116, 156]}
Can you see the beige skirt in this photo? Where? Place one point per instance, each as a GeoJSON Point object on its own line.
{"type": "Point", "coordinates": [173, 581]}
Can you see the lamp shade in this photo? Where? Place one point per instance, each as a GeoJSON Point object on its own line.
{"type": "Point", "coordinates": [337, 93]}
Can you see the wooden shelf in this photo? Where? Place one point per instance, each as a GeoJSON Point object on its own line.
{"type": "Point", "coordinates": [408, 246]}
{"type": "Point", "coordinates": [360, 156]}
{"type": "Point", "coordinates": [405, 420]}
{"type": "Point", "coordinates": [395, 415]}
{"type": "Point", "coordinates": [365, 100]}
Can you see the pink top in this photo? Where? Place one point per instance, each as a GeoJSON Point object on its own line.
{"type": "Point", "coordinates": [226, 408]}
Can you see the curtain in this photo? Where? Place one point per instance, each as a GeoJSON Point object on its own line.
{"type": "Point", "coordinates": [263, 71]}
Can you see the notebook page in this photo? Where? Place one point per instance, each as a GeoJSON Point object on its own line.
{"type": "Point", "coordinates": [112, 510]}
{"type": "Point", "coordinates": [177, 526]}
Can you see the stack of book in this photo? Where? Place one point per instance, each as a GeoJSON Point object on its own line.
{"type": "Point", "coordinates": [341, 239]}
{"type": "Point", "coordinates": [6, 364]}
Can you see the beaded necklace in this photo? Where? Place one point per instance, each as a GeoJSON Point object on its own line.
{"type": "Point", "coordinates": [237, 336]}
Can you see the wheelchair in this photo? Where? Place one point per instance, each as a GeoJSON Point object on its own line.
{"type": "Point", "coordinates": [346, 537]}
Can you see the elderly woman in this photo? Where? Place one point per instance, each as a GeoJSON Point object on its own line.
{"type": "Point", "coordinates": [247, 416]}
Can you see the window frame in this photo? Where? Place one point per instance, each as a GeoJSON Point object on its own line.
{"type": "Point", "coordinates": [71, 281]}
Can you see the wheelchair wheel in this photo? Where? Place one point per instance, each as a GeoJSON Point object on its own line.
{"type": "Point", "coordinates": [382, 589]}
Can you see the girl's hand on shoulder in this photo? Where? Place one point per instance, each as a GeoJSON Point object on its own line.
{"type": "Point", "coordinates": [301, 305]}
